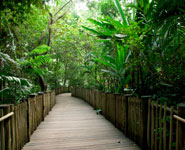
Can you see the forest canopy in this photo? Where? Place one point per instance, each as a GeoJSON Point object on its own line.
{"type": "Point", "coordinates": [119, 46]}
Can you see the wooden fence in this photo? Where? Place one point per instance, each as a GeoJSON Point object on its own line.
{"type": "Point", "coordinates": [62, 90]}
{"type": "Point", "coordinates": [18, 122]}
{"type": "Point", "coordinates": [151, 125]}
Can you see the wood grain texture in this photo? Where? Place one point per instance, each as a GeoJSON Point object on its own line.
{"type": "Point", "coordinates": [73, 125]}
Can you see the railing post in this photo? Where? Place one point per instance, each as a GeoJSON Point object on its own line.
{"type": "Point", "coordinates": [111, 107]}
{"type": "Point", "coordinates": [126, 112]}
{"type": "Point", "coordinates": [103, 97]}
{"type": "Point", "coordinates": [96, 99]}
{"type": "Point", "coordinates": [28, 119]}
{"type": "Point", "coordinates": [2, 131]}
{"type": "Point", "coordinates": [75, 93]}
{"type": "Point", "coordinates": [144, 108]}
{"type": "Point", "coordinates": [93, 99]}
{"type": "Point", "coordinates": [42, 103]}
{"type": "Point", "coordinates": [7, 128]}
{"type": "Point", "coordinates": [54, 98]}
{"type": "Point", "coordinates": [100, 100]}
{"type": "Point", "coordinates": [149, 124]}
{"type": "Point", "coordinates": [180, 135]}
{"type": "Point", "coordinates": [50, 101]}
{"type": "Point", "coordinates": [12, 128]}
{"type": "Point", "coordinates": [72, 91]}
{"type": "Point", "coordinates": [90, 97]}
{"type": "Point", "coordinates": [119, 114]}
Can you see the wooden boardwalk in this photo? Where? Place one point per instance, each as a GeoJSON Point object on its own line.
{"type": "Point", "coordinates": [74, 125]}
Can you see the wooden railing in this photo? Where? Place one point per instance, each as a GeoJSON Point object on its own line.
{"type": "Point", "coordinates": [151, 125]}
{"type": "Point", "coordinates": [6, 116]}
{"type": "Point", "coordinates": [62, 90]}
{"type": "Point", "coordinates": [165, 128]}
{"type": "Point", "coordinates": [17, 123]}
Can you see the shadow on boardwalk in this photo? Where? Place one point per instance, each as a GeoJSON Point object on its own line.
{"type": "Point", "coordinates": [74, 125]}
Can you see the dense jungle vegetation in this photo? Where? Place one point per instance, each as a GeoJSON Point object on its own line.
{"type": "Point", "coordinates": [119, 46]}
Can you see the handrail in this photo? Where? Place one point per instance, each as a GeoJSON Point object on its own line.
{"type": "Point", "coordinates": [6, 116]}
{"type": "Point", "coordinates": [179, 118]}
{"type": "Point", "coordinates": [167, 108]}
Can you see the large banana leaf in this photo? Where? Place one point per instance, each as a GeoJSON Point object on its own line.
{"type": "Point", "coordinates": [116, 66]}
{"type": "Point", "coordinates": [107, 28]}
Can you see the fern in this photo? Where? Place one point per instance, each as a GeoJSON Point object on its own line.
{"type": "Point", "coordinates": [20, 81]}
{"type": "Point", "coordinates": [42, 49]}
{"type": "Point", "coordinates": [7, 59]}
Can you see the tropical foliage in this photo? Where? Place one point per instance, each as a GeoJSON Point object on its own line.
{"type": "Point", "coordinates": [119, 46]}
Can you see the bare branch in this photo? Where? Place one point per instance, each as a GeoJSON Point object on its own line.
{"type": "Point", "coordinates": [51, 22]}
{"type": "Point", "coordinates": [51, 19]}
{"type": "Point", "coordinates": [50, 30]}
{"type": "Point", "coordinates": [60, 17]}
{"type": "Point", "coordinates": [63, 7]}
{"type": "Point", "coordinates": [42, 36]}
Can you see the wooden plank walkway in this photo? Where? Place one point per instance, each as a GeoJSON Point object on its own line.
{"type": "Point", "coordinates": [74, 125]}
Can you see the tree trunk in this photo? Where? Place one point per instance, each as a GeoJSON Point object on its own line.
{"type": "Point", "coordinates": [42, 84]}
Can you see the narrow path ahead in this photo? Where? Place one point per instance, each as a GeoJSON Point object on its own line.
{"type": "Point", "coordinates": [74, 125]}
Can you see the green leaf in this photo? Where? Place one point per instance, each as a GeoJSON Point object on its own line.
{"type": "Point", "coordinates": [110, 72]}
{"type": "Point", "coordinates": [20, 81]}
{"type": "Point", "coordinates": [98, 111]}
{"type": "Point", "coordinates": [7, 59]}
{"type": "Point", "coordinates": [109, 58]}
{"type": "Point", "coordinates": [104, 40]}
{"type": "Point", "coordinates": [4, 90]}
{"type": "Point", "coordinates": [127, 79]}
{"type": "Point", "coordinates": [93, 31]}
{"type": "Point", "coordinates": [96, 22]}
{"type": "Point", "coordinates": [25, 82]}
{"type": "Point", "coordinates": [118, 88]}
{"type": "Point", "coordinates": [105, 63]}
{"type": "Point", "coordinates": [115, 23]}
{"type": "Point", "coordinates": [40, 49]}
{"type": "Point", "coordinates": [103, 27]}
{"type": "Point", "coordinates": [117, 3]}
